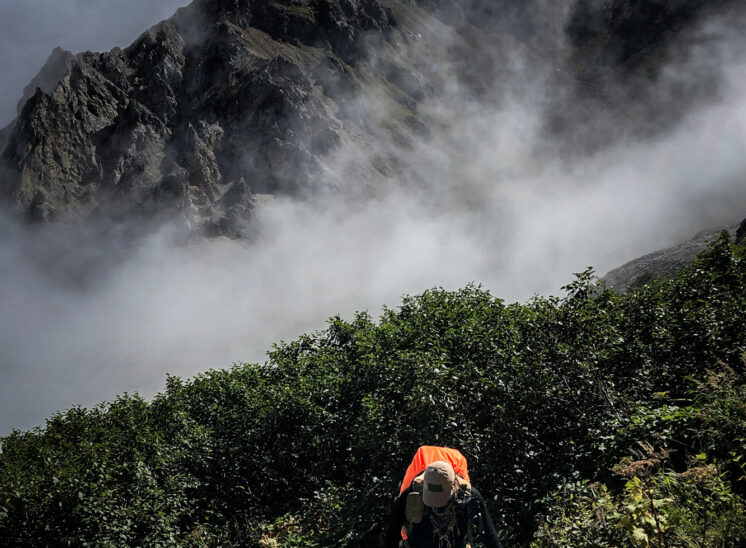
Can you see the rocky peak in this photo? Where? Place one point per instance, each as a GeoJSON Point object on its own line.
{"type": "Point", "coordinates": [58, 64]}
{"type": "Point", "coordinates": [233, 97]}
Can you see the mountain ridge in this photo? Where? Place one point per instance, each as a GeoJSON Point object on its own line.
{"type": "Point", "coordinates": [229, 98]}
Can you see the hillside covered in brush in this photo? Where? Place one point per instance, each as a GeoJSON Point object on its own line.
{"type": "Point", "coordinates": [594, 419]}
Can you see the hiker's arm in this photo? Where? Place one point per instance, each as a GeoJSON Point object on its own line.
{"type": "Point", "coordinates": [398, 516]}
{"type": "Point", "coordinates": [487, 532]}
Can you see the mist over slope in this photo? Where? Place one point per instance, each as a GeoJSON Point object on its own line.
{"type": "Point", "coordinates": [380, 152]}
{"type": "Point", "coordinates": [565, 407]}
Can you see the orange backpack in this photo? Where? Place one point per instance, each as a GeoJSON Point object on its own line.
{"type": "Point", "coordinates": [430, 453]}
{"type": "Point", "coordinates": [422, 458]}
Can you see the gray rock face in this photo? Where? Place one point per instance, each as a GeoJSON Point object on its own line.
{"type": "Point", "coordinates": [665, 262]}
{"type": "Point", "coordinates": [234, 97]}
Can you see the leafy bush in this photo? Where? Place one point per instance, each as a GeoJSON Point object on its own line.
{"type": "Point", "coordinates": [308, 448]}
{"type": "Point", "coordinates": [657, 508]}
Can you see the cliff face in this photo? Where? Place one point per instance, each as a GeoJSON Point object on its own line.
{"type": "Point", "coordinates": [665, 263]}
{"type": "Point", "coordinates": [229, 98]}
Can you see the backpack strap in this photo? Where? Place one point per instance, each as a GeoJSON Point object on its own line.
{"type": "Point", "coordinates": [415, 507]}
{"type": "Point", "coordinates": [464, 487]}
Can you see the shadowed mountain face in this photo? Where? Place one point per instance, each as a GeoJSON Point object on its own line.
{"type": "Point", "coordinates": [233, 98]}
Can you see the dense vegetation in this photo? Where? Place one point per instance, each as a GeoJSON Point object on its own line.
{"type": "Point", "coordinates": [594, 419]}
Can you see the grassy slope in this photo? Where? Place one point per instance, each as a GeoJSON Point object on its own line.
{"type": "Point", "coordinates": [307, 449]}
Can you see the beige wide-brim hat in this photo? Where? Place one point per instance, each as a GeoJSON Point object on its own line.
{"type": "Point", "coordinates": [437, 488]}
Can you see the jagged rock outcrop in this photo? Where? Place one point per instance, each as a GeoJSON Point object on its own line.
{"type": "Point", "coordinates": [224, 99]}
{"type": "Point", "coordinates": [232, 98]}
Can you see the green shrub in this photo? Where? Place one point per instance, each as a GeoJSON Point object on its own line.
{"type": "Point", "coordinates": [314, 442]}
{"type": "Point", "coordinates": [656, 508]}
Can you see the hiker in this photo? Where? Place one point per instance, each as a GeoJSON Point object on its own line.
{"type": "Point", "coordinates": [439, 508]}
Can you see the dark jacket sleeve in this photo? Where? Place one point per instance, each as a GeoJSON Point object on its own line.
{"type": "Point", "coordinates": [487, 532]}
{"type": "Point", "coordinates": [398, 517]}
